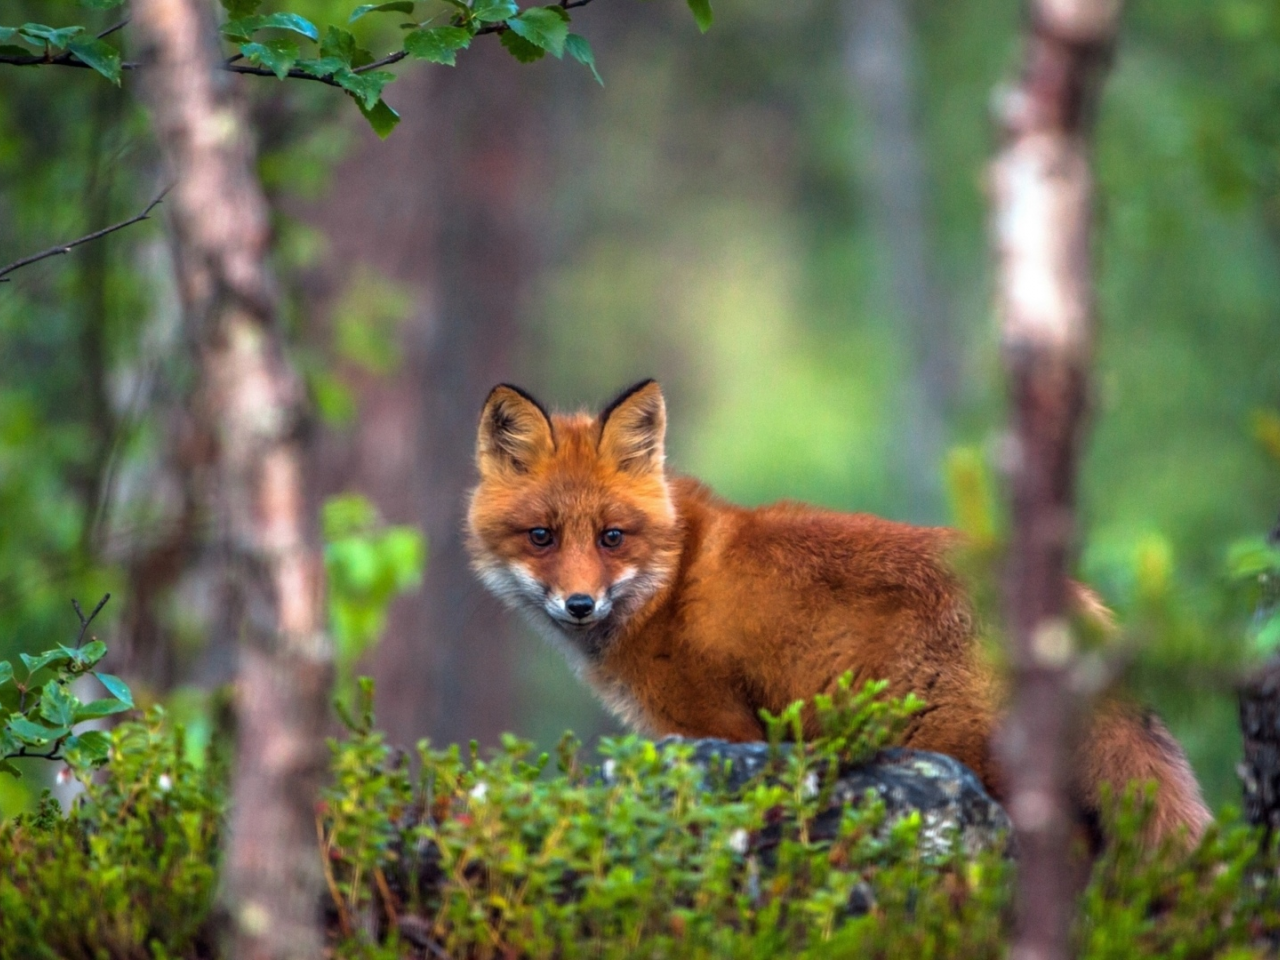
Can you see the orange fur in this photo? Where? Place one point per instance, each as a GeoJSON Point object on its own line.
{"type": "Point", "coordinates": [703, 613]}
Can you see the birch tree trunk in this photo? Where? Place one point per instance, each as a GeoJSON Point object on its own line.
{"type": "Point", "coordinates": [250, 401]}
{"type": "Point", "coordinates": [1043, 196]}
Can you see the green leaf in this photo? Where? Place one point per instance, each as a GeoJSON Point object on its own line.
{"type": "Point", "coordinates": [1252, 557]}
{"type": "Point", "coordinates": [400, 6]}
{"type": "Point", "coordinates": [90, 653]}
{"type": "Point", "coordinates": [324, 67]}
{"type": "Point", "coordinates": [437, 44]}
{"type": "Point", "coordinates": [58, 38]}
{"type": "Point", "coordinates": [291, 21]}
{"type": "Point", "coordinates": [101, 4]}
{"type": "Point", "coordinates": [381, 117]}
{"type": "Point", "coordinates": [238, 9]}
{"type": "Point", "coordinates": [43, 660]}
{"type": "Point", "coordinates": [544, 27]}
{"type": "Point", "coordinates": [578, 48]}
{"type": "Point", "coordinates": [347, 514]}
{"type": "Point", "coordinates": [58, 705]}
{"type": "Point", "coordinates": [494, 11]}
{"type": "Point", "coordinates": [6, 671]}
{"type": "Point", "coordinates": [103, 57]}
{"type": "Point", "coordinates": [520, 48]}
{"type": "Point", "coordinates": [8, 742]}
{"type": "Point", "coordinates": [35, 733]}
{"type": "Point", "coordinates": [8, 767]}
{"type": "Point", "coordinates": [278, 56]}
{"type": "Point", "coordinates": [100, 708]}
{"type": "Point", "coordinates": [89, 749]}
{"type": "Point", "coordinates": [701, 13]}
{"type": "Point", "coordinates": [7, 34]}
{"type": "Point", "coordinates": [243, 29]}
{"type": "Point", "coordinates": [116, 687]}
{"type": "Point", "coordinates": [365, 87]}
{"type": "Point", "coordinates": [352, 565]}
{"type": "Point", "coordinates": [404, 551]}
{"type": "Point", "coordinates": [342, 45]}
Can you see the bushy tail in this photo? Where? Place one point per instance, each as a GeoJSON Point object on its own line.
{"type": "Point", "coordinates": [1123, 744]}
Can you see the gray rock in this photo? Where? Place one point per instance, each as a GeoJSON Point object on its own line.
{"type": "Point", "coordinates": [953, 806]}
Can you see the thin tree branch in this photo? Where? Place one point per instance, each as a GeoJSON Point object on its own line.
{"type": "Point", "coordinates": [22, 753]}
{"type": "Point", "coordinates": [64, 59]}
{"type": "Point", "coordinates": [114, 27]}
{"type": "Point", "coordinates": [85, 621]}
{"type": "Point", "coordinates": [97, 234]}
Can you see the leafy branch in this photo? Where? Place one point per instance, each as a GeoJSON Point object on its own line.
{"type": "Point", "coordinates": [67, 248]}
{"type": "Point", "coordinates": [43, 713]}
{"type": "Point", "coordinates": [268, 44]}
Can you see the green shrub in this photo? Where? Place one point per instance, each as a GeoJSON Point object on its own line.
{"type": "Point", "coordinates": [648, 855]}
{"type": "Point", "coordinates": [498, 857]}
{"type": "Point", "coordinates": [130, 870]}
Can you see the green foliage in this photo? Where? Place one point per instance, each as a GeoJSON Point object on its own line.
{"type": "Point", "coordinates": [527, 34]}
{"type": "Point", "coordinates": [649, 856]}
{"type": "Point", "coordinates": [130, 871]}
{"type": "Point", "coordinates": [40, 712]}
{"type": "Point", "coordinates": [1219, 900]}
{"type": "Point", "coordinates": [652, 855]}
{"type": "Point", "coordinates": [368, 564]}
{"type": "Point", "coordinates": [46, 40]}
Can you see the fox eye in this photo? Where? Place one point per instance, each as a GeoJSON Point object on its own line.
{"type": "Point", "coordinates": [611, 538]}
{"type": "Point", "coordinates": [540, 537]}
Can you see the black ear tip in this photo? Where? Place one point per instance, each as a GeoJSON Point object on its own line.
{"type": "Point", "coordinates": [625, 395]}
{"type": "Point", "coordinates": [522, 393]}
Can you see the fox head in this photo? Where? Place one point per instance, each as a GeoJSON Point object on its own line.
{"type": "Point", "coordinates": [572, 522]}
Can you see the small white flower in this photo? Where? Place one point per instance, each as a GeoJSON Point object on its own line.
{"type": "Point", "coordinates": [479, 790]}
{"type": "Point", "coordinates": [739, 841]}
{"type": "Point", "coordinates": [64, 776]}
{"type": "Point", "coordinates": [165, 783]}
{"type": "Point", "coordinates": [810, 785]}
{"type": "Point", "coordinates": [609, 767]}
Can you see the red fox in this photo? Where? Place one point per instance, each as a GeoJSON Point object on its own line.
{"type": "Point", "coordinates": [687, 614]}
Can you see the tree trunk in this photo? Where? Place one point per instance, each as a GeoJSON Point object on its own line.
{"type": "Point", "coordinates": [250, 401]}
{"type": "Point", "coordinates": [1260, 724]}
{"type": "Point", "coordinates": [1043, 195]}
{"type": "Point", "coordinates": [881, 59]}
{"type": "Point", "coordinates": [450, 218]}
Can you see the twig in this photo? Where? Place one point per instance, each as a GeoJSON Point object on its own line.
{"type": "Point", "coordinates": [113, 28]}
{"type": "Point", "coordinates": [66, 58]}
{"type": "Point", "coordinates": [68, 247]}
{"type": "Point", "coordinates": [344, 919]}
{"type": "Point", "coordinates": [388, 899]}
{"type": "Point", "coordinates": [85, 621]}
{"type": "Point", "coordinates": [23, 754]}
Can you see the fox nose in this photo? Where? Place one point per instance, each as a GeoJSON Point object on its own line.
{"type": "Point", "coordinates": [579, 605]}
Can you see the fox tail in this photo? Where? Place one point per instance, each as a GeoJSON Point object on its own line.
{"type": "Point", "coordinates": [1124, 744]}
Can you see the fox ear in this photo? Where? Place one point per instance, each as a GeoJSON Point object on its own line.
{"type": "Point", "coordinates": [515, 432]}
{"type": "Point", "coordinates": [633, 428]}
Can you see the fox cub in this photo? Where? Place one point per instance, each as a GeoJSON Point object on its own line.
{"type": "Point", "coordinates": [687, 614]}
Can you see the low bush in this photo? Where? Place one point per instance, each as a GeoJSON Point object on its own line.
{"type": "Point", "coordinates": [648, 854]}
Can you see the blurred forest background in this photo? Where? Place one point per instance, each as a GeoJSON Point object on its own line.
{"type": "Point", "coordinates": [784, 222]}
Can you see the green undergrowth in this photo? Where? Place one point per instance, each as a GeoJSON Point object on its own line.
{"type": "Point", "coordinates": [636, 852]}
{"type": "Point", "coordinates": [130, 870]}
{"type": "Point", "coordinates": [517, 855]}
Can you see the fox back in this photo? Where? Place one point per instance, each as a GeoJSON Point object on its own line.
{"type": "Point", "coordinates": [688, 615]}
